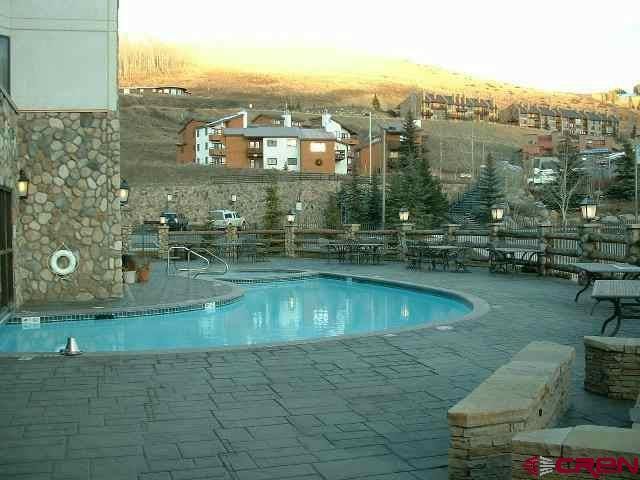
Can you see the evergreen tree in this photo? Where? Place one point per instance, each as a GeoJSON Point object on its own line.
{"type": "Point", "coordinates": [395, 197]}
{"type": "Point", "coordinates": [409, 147]}
{"type": "Point", "coordinates": [490, 188]}
{"type": "Point", "coordinates": [623, 186]}
{"type": "Point", "coordinates": [375, 202]}
{"type": "Point", "coordinates": [273, 215]}
{"type": "Point", "coordinates": [353, 199]}
{"type": "Point", "coordinates": [332, 215]}
{"type": "Point", "coordinates": [431, 203]}
{"type": "Point", "coordinates": [375, 103]}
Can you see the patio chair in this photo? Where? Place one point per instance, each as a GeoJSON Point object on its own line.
{"type": "Point", "coordinates": [414, 257]}
{"type": "Point", "coordinates": [498, 261]}
{"type": "Point", "coordinates": [353, 253]}
{"type": "Point", "coordinates": [458, 257]}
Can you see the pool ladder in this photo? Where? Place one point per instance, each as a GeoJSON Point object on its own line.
{"type": "Point", "coordinates": [194, 272]}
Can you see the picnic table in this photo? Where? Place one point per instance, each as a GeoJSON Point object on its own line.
{"type": "Point", "coordinates": [625, 296]}
{"type": "Point", "coordinates": [509, 256]}
{"type": "Point", "coordinates": [593, 271]}
{"type": "Point", "coordinates": [434, 254]}
{"type": "Point", "coordinates": [355, 251]}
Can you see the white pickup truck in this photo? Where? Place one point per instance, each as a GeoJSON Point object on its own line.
{"type": "Point", "coordinates": [221, 219]}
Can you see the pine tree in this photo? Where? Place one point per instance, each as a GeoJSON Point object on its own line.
{"type": "Point", "coordinates": [623, 186]}
{"type": "Point", "coordinates": [395, 197]}
{"type": "Point", "coordinates": [332, 215]}
{"type": "Point", "coordinates": [273, 215]}
{"type": "Point", "coordinates": [431, 203]}
{"type": "Point", "coordinates": [375, 202]}
{"type": "Point", "coordinates": [409, 147]}
{"type": "Point", "coordinates": [375, 103]}
{"type": "Point", "coordinates": [490, 188]}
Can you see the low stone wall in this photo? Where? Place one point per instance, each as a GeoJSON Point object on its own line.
{"type": "Point", "coordinates": [612, 366]}
{"type": "Point", "coordinates": [147, 202]}
{"type": "Point", "coordinates": [528, 393]}
{"type": "Point", "coordinates": [539, 452]}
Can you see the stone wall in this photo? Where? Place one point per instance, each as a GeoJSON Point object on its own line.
{"type": "Point", "coordinates": [529, 393]}
{"type": "Point", "coordinates": [147, 202]}
{"type": "Point", "coordinates": [612, 366]}
{"type": "Point", "coordinates": [9, 152]}
{"type": "Point", "coordinates": [543, 448]}
{"type": "Point", "coordinates": [73, 162]}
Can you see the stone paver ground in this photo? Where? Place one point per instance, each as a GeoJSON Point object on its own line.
{"type": "Point", "coordinates": [373, 407]}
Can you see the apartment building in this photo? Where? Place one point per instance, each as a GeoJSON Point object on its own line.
{"type": "Point", "coordinates": [209, 138]}
{"type": "Point", "coordinates": [186, 144]}
{"type": "Point", "coordinates": [563, 120]}
{"type": "Point", "coordinates": [384, 148]}
{"type": "Point", "coordinates": [164, 90]}
{"type": "Point", "coordinates": [430, 106]}
{"type": "Point", "coordinates": [60, 135]}
{"type": "Point", "coordinates": [275, 120]}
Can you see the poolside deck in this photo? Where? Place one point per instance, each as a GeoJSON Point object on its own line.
{"type": "Point", "coordinates": [372, 408]}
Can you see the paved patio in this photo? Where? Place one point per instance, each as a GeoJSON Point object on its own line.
{"type": "Point", "coordinates": [371, 408]}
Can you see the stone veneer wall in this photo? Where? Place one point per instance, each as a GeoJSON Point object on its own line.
{"type": "Point", "coordinates": [529, 393]}
{"type": "Point", "coordinates": [612, 366]}
{"type": "Point", "coordinates": [73, 162]}
{"type": "Point", "coordinates": [9, 153]}
{"type": "Point", "coordinates": [584, 441]}
{"type": "Point", "coordinates": [146, 202]}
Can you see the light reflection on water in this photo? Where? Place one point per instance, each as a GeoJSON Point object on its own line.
{"type": "Point", "coordinates": [267, 314]}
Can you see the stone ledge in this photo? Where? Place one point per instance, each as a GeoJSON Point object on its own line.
{"type": "Point", "coordinates": [583, 440]}
{"type": "Point", "coordinates": [528, 393]}
{"type": "Point", "coordinates": [510, 393]}
{"type": "Point", "coordinates": [614, 344]}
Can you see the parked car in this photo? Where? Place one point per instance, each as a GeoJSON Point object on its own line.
{"type": "Point", "coordinates": [221, 219]}
{"type": "Point", "coordinates": [176, 221]}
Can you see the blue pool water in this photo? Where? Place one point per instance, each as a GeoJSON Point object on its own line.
{"type": "Point", "coordinates": [267, 314]}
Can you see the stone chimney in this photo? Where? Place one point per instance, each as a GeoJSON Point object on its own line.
{"type": "Point", "coordinates": [326, 119]}
{"type": "Point", "coordinates": [287, 118]}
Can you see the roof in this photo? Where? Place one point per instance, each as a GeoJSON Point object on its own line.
{"type": "Point", "coordinates": [280, 132]}
{"type": "Point", "coordinates": [200, 120]}
{"type": "Point", "coordinates": [275, 116]}
{"type": "Point", "coordinates": [228, 117]}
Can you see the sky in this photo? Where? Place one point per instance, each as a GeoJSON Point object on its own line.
{"type": "Point", "coordinates": [565, 45]}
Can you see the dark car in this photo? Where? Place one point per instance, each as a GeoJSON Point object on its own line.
{"type": "Point", "coordinates": [175, 221]}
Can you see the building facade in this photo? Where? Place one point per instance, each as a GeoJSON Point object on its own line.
{"type": "Point", "coordinates": [166, 90]}
{"type": "Point", "coordinates": [431, 106]}
{"type": "Point", "coordinates": [61, 132]}
{"type": "Point", "coordinates": [186, 144]}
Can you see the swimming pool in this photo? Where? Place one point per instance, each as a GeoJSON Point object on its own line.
{"type": "Point", "coordinates": [267, 314]}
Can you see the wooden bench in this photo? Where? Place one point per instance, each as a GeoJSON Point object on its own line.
{"type": "Point", "coordinates": [529, 393]}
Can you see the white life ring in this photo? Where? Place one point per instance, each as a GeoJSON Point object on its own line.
{"type": "Point", "coordinates": [71, 260]}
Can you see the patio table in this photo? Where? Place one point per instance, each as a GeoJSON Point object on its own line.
{"type": "Point", "coordinates": [443, 253]}
{"type": "Point", "coordinates": [616, 292]}
{"type": "Point", "coordinates": [527, 254]}
{"type": "Point", "coordinates": [597, 271]}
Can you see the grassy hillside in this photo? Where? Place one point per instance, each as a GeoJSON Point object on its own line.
{"type": "Point", "coordinates": [150, 126]}
{"type": "Point", "coordinates": [316, 77]}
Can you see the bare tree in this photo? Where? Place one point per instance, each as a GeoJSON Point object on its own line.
{"type": "Point", "coordinates": [563, 193]}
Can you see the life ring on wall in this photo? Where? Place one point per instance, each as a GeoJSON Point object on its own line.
{"type": "Point", "coordinates": [318, 161]}
{"type": "Point", "coordinates": [72, 262]}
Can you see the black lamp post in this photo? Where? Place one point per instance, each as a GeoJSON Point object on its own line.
{"type": "Point", "coordinates": [588, 208]}
{"type": "Point", "coordinates": [23, 185]}
{"type": "Point", "coordinates": [291, 217]}
{"type": "Point", "coordinates": [123, 192]}
{"type": "Point", "coordinates": [497, 212]}
{"type": "Point", "coordinates": [404, 214]}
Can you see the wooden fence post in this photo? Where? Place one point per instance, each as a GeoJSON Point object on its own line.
{"type": "Point", "coordinates": [544, 244]}
{"type": "Point", "coordinates": [633, 243]}
{"type": "Point", "coordinates": [587, 245]}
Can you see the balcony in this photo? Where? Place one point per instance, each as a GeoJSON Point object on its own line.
{"type": "Point", "coordinates": [350, 141]}
{"type": "Point", "coordinates": [254, 151]}
{"type": "Point", "coordinates": [340, 155]}
{"type": "Point", "coordinates": [216, 152]}
{"type": "Point", "coordinates": [216, 137]}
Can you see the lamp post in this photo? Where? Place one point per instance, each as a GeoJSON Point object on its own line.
{"type": "Point", "coordinates": [23, 185]}
{"type": "Point", "coordinates": [291, 217]}
{"type": "Point", "coordinates": [123, 192]}
{"type": "Point", "coordinates": [404, 214]}
{"type": "Point", "coordinates": [234, 199]}
{"type": "Point", "coordinates": [497, 212]}
{"type": "Point", "coordinates": [299, 203]}
{"type": "Point", "coordinates": [588, 209]}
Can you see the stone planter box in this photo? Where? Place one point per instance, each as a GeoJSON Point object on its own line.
{"type": "Point", "coordinates": [528, 393]}
{"type": "Point", "coordinates": [612, 366]}
{"type": "Point", "coordinates": [585, 441]}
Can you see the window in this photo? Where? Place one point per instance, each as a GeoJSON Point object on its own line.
{"type": "Point", "coordinates": [292, 142]}
{"type": "Point", "coordinates": [223, 160]}
{"type": "Point", "coordinates": [198, 133]}
{"type": "Point", "coordinates": [198, 147]}
{"type": "Point", "coordinates": [254, 144]}
{"type": "Point", "coordinates": [275, 121]}
{"type": "Point", "coordinates": [272, 143]}
{"type": "Point", "coordinates": [292, 161]}
{"type": "Point", "coordinates": [317, 147]}
{"type": "Point", "coordinates": [228, 215]}
{"type": "Point", "coordinates": [272, 161]}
